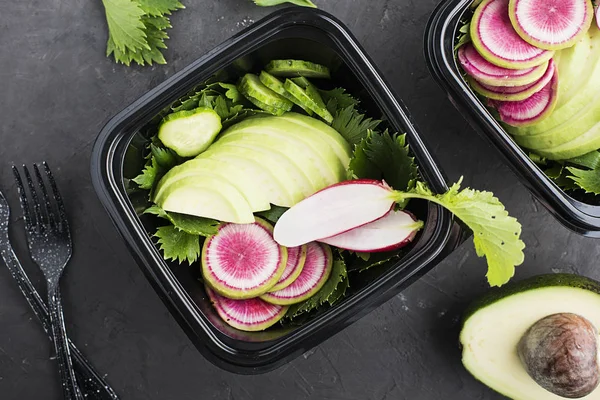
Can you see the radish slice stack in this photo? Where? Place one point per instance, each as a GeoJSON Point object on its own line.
{"type": "Point", "coordinates": [510, 60]}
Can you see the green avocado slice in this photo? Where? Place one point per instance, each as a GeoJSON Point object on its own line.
{"type": "Point", "coordinates": [494, 324]}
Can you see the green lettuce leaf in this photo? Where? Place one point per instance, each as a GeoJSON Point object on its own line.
{"type": "Point", "coordinates": [496, 235]}
{"type": "Point", "coordinates": [588, 180]}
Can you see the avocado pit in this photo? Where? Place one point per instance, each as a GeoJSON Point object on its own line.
{"type": "Point", "coordinates": [560, 353]}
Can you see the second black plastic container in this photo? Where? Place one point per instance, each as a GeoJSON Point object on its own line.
{"type": "Point", "coordinates": [118, 156]}
{"type": "Point", "coordinates": [578, 212]}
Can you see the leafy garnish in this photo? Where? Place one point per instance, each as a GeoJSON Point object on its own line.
{"type": "Point", "coordinates": [496, 235]}
{"type": "Point", "coordinates": [178, 245]}
{"type": "Point", "coordinates": [588, 180]}
{"type": "Point", "coordinates": [187, 223]}
{"type": "Point", "coordinates": [465, 36]}
{"type": "Point", "coordinates": [166, 158]}
{"type": "Point", "coordinates": [374, 260]}
{"type": "Point", "coordinates": [361, 166]}
{"type": "Point", "coordinates": [589, 160]}
{"type": "Point", "coordinates": [137, 29]}
{"type": "Point", "coordinates": [337, 99]}
{"type": "Point", "coordinates": [147, 178]}
{"type": "Point", "coordinates": [352, 125]}
{"type": "Point", "coordinates": [333, 290]}
{"type": "Point", "coordinates": [560, 175]}
{"type": "Point", "coordinates": [268, 3]}
{"type": "Point", "coordinates": [273, 214]}
{"type": "Point", "coordinates": [391, 156]}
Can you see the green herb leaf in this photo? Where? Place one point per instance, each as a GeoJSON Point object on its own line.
{"type": "Point", "coordinates": [126, 30]}
{"type": "Point", "coordinates": [148, 55]}
{"type": "Point", "coordinates": [187, 223]}
{"type": "Point", "coordinates": [232, 92]}
{"type": "Point", "coordinates": [374, 260]}
{"type": "Point", "coordinates": [159, 22]}
{"type": "Point", "coordinates": [273, 214]}
{"type": "Point", "coordinates": [158, 8]}
{"type": "Point", "coordinates": [165, 158]}
{"type": "Point", "coordinates": [588, 180]}
{"type": "Point", "coordinates": [147, 178]}
{"type": "Point", "coordinates": [590, 160]}
{"type": "Point", "coordinates": [391, 156]}
{"type": "Point", "coordinates": [333, 290]}
{"type": "Point", "coordinates": [337, 99]}
{"type": "Point", "coordinates": [560, 175]}
{"type": "Point", "coordinates": [496, 235]}
{"type": "Point", "coordinates": [361, 167]}
{"type": "Point", "coordinates": [268, 3]}
{"type": "Point", "coordinates": [352, 125]}
{"type": "Point", "coordinates": [178, 245]}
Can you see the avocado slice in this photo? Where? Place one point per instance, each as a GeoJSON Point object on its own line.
{"type": "Point", "coordinates": [494, 325]}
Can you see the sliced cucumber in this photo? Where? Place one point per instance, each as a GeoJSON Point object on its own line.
{"type": "Point", "coordinates": [189, 133]}
{"type": "Point", "coordinates": [291, 68]}
{"type": "Point", "coordinates": [302, 82]}
{"type": "Point", "coordinates": [312, 101]}
{"type": "Point", "coordinates": [277, 86]}
{"type": "Point", "coordinates": [252, 88]}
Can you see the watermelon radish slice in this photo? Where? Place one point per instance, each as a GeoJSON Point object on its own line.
{"type": "Point", "coordinates": [551, 24]}
{"type": "Point", "coordinates": [485, 72]}
{"type": "Point", "coordinates": [497, 41]}
{"type": "Point", "coordinates": [395, 230]}
{"type": "Point", "coordinates": [531, 110]}
{"type": "Point", "coordinates": [293, 268]}
{"type": "Point", "coordinates": [514, 93]}
{"type": "Point", "coordinates": [315, 273]}
{"type": "Point", "coordinates": [334, 210]}
{"type": "Point", "coordinates": [242, 260]}
{"type": "Point", "coordinates": [246, 315]}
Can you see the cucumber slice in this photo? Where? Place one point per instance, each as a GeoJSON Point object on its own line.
{"type": "Point", "coordinates": [252, 88]}
{"type": "Point", "coordinates": [291, 68]}
{"type": "Point", "coordinates": [277, 111]}
{"type": "Point", "coordinates": [310, 99]}
{"type": "Point", "coordinates": [189, 133]}
{"type": "Point", "coordinates": [302, 82]}
{"type": "Point", "coordinates": [277, 86]}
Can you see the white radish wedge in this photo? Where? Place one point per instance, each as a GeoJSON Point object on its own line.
{"type": "Point", "coordinates": [242, 260]}
{"type": "Point", "coordinates": [497, 41]}
{"type": "Point", "coordinates": [315, 273]}
{"type": "Point", "coordinates": [334, 210]}
{"type": "Point", "coordinates": [246, 315]}
{"type": "Point", "coordinates": [487, 73]}
{"type": "Point", "coordinates": [395, 230]}
{"type": "Point", "coordinates": [551, 24]}
{"type": "Point", "coordinates": [597, 12]}
{"type": "Point", "coordinates": [531, 110]}
{"type": "Point", "coordinates": [513, 93]}
{"type": "Point", "coordinates": [295, 264]}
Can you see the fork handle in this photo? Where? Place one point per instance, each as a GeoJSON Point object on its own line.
{"type": "Point", "coordinates": [93, 384]}
{"type": "Point", "coordinates": [61, 346]}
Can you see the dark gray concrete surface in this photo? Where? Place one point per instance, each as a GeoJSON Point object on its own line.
{"type": "Point", "coordinates": [57, 89]}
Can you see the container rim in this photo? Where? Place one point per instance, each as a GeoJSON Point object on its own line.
{"type": "Point", "coordinates": [440, 34]}
{"type": "Point", "coordinates": [105, 167]}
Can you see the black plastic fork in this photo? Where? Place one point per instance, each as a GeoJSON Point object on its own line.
{"type": "Point", "coordinates": [50, 246]}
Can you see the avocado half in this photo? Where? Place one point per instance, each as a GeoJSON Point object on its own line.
{"type": "Point", "coordinates": [494, 324]}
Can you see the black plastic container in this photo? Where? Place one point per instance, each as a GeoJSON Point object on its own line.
{"type": "Point", "coordinates": [578, 212]}
{"type": "Point", "coordinates": [117, 157]}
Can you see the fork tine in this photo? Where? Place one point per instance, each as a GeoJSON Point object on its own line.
{"type": "Point", "coordinates": [63, 221]}
{"type": "Point", "coordinates": [37, 211]}
{"type": "Point", "coordinates": [52, 219]}
{"type": "Point", "coordinates": [29, 223]}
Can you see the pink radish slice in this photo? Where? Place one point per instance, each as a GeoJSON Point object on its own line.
{"type": "Point", "coordinates": [295, 263]}
{"type": "Point", "coordinates": [315, 273]}
{"type": "Point", "coordinates": [334, 210]}
{"type": "Point", "coordinates": [485, 72]}
{"type": "Point", "coordinates": [497, 41]}
{"type": "Point", "coordinates": [514, 93]}
{"type": "Point", "coordinates": [243, 260]}
{"type": "Point", "coordinates": [551, 24]}
{"type": "Point", "coordinates": [531, 110]}
{"type": "Point", "coordinates": [246, 315]}
{"type": "Point", "coordinates": [597, 7]}
{"type": "Point", "coordinates": [395, 230]}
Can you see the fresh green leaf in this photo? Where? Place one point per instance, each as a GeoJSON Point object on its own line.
{"type": "Point", "coordinates": [178, 245]}
{"type": "Point", "coordinates": [361, 166]}
{"type": "Point", "coordinates": [560, 175]}
{"type": "Point", "coordinates": [590, 160]}
{"type": "Point", "coordinates": [232, 92]}
{"type": "Point", "coordinates": [352, 125]}
{"type": "Point", "coordinates": [391, 156]}
{"type": "Point", "coordinates": [374, 260]}
{"type": "Point", "coordinates": [273, 214]}
{"type": "Point", "coordinates": [268, 3]}
{"type": "Point", "coordinates": [496, 235]}
{"type": "Point", "coordinates": [465, 36]}
{"type": "Point", "coordinates": [226, 109]}
{"type": "Point", "coordinates": [150, 55]}
{"type": "Point", "coordinates": [539, 160]}
{"type": "Point", "coordinates": [187, 223]}
{"type": "Point", "coordinates": [126, 30]}
{"type": "Point", "coordinates": [588, 180]}
{"type": "Point", "coordinates": [158, 22]}
{"type": "Point", "coordinates": [333, 290]}
{"type": "Point", "coordinates": [165, 158]}
{"type": "Point", "coordinates": [149, 175]}
{"type": "Point", "coordinates": [157, 8]}
{"type": "Point", "coordinates": [337, 99]}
